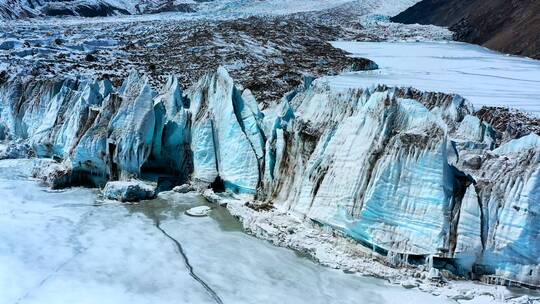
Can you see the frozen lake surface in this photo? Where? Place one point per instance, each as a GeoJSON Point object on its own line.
{"type": "Point", "coordinates": [69, 247]}
{"type": "Point", "coordinates": [478, 74]}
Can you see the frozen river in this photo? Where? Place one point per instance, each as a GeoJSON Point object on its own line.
{"type": "Point", "coordinates": [478, 74]}
{"type": "Point", "coordinates": [68, 247]}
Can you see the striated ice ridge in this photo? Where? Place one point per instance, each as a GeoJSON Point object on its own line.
{"type": "Point", "coordinates": [131, 129]}
{"type": "Point", "coordinates": [469, 229]}
{"type": "Point", "coordinates": [508, 187]}
{"type": "Point", "coordinates": [361, 173]}
{"type": "Point", "coordinates": [172, 133]}
{"type": "Point", "coordinates": [226, 137]}
{"type": "Point", "coordinates": [409, 174]}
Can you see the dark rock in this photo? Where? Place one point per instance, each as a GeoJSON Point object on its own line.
{"type": "Point", "coordinates": [473, 162]}
{"type": "Point", "coordinates": [90, 58]}
{"type": "Point", "coordinates": [510, 123]}
{"type": "Point", "coordinates": [3, 76]}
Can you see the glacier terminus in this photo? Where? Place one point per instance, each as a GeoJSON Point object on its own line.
{"type": "Point", "coordinates": [409, 167]}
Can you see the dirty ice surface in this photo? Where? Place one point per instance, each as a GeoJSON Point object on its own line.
{"type": "Point", "coordinates": [70, 247]}
{"type": "Point", "coordinates": [484, 77]}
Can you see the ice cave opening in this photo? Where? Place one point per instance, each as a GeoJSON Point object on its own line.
{"type": "Point", "coordinates": [218, 185]}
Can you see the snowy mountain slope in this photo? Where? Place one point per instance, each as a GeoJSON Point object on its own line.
{"type": "Point", "coordinates": [510, 26]}
{"type": "Point", "coordinates": [15, 9]}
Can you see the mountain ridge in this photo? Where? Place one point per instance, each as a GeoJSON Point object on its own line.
{"type": "Point", "coordinates": [507, 26]}
{"type": "Point", "coordinates": [16, 9]}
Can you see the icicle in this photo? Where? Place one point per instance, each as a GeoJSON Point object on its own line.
{"type": "Point", "coordinates": [429, 261]}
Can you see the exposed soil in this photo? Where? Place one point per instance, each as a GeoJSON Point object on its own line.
{"type": "Point", "coordinates": [512, 123]}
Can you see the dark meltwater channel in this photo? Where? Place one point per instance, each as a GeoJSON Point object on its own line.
{"type": "Point", "coordinates": [71, 247]}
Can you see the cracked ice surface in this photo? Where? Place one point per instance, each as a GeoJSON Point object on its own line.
{"type": "Point", "coordinates": [67, 247]}
{"type": "Point", "coordinates": [484, 77]}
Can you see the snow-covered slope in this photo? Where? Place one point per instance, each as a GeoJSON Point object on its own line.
{"type": "Point", "coordinates": [15, 9]}
{"type": "Point", "coordinates": [402, 171]}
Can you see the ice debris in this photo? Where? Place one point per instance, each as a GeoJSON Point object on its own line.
{"type": "Point", "coordinates": [199, 211]}
{"type": "Point", "coordinates": [185, 188]}
{"type": "Point", "coordinates": [129, 191]}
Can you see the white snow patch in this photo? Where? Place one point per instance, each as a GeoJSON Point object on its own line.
{"type": "Point", "coordinates": [531, 141]}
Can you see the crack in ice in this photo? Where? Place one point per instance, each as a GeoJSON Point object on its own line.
{"type": "Point", "coordinates": [208, 289]}
{"type": "Point", "coordinates": [47, 278]}
{"type": "Point", "coordinates": [78, 251]}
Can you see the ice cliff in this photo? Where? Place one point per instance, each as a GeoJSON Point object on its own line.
{"type": "Point", "coordinates": [404, 172]}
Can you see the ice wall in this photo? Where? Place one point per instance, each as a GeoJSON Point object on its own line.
{"type": "Point", "coordinates": [400, 170]}
{"type": "Point", "coordinates": [226, 139]}
{"type": "Point", "coordinates": [408, 172]}
{"type": "Point", "coordinates": [172, 133]}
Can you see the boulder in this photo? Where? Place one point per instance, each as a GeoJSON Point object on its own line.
{"type": "Point", "coordinates": [185, 188]}
{"type": "Point", "coordinates": [129, 191]}
{"type": "Point", "coordinates": [54, 174]}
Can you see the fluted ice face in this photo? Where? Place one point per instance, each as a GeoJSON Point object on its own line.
{"type": "Point", "coordinates": [510, 196]}
{"type": "Point", "coordinates": [250, 119]}
{"type": "Point", "coordinates": [378, 171]}
{"type": "Point", "coordinates": [131, 129]}
{"type": "Point", "coordinates": [469, 230]}
{"type": "Point", "coordinates": [91, 155]}
{"type": "Point", "coordinates": [77, 117]}
{"type": "Point", "coordinates": [204, 152]}
{"type": "Point", "coordinates": [171, 139]}
{"type": "Point", "coordinates": [407, 172]}
{"type": "Point", "coordinates": [50, 113]}
{"type": "Point", "coordinates": [224, 126]}
{"type": "Point", "coordinates": [24, 103]}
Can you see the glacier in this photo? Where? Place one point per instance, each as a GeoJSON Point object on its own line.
{"type": "Point", "coordinates": [402, 171]}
